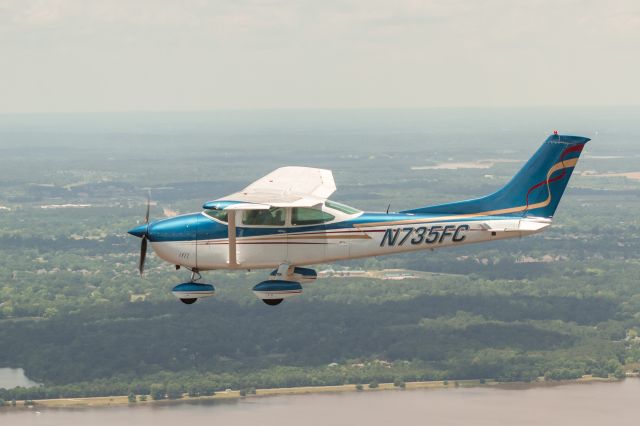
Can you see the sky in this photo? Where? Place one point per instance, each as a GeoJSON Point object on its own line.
{"type": "Point", "coordinates": [188, 55]}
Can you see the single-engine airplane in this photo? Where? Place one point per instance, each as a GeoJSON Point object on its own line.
{"type": "Point", "coordinates": [286, 221]}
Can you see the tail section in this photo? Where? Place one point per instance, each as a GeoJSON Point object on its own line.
{"type": "Point", "coordinates": [534, 191]}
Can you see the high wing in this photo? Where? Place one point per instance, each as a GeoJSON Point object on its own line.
{"type": "Point", "coordinates": [284, 187]}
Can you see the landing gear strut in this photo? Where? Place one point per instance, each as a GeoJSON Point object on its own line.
{"type": "Point", "coordinates": [195, 276]}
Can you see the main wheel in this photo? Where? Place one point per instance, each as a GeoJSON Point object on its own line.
{"type": "Point", "coordinates": [272, 302]}
{"type": "Point", "coordinates": [188, 301]}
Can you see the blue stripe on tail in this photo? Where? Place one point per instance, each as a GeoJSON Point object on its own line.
{"type": "Point", "coordinates": [534, 191]}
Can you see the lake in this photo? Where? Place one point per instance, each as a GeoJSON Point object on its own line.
{"type": "Point", "coordinates": [13, 377]}
{"type": "Point", "coordinates": [583, 404]}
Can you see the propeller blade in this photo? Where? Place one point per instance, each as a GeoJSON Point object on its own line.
{"type": "Point", "coordinates": [146, 216]}
{"type": "Point", "coordinates": [143, 243]}
{"type": "Point", "coordinates": [143, 254]}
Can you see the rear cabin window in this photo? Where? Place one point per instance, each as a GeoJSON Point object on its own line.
{"type": "Point", "coordinates": [272, 217]}
{"type": "Point", "coordinates": [341, 207]}
{"type": "Point", "coordinates": [305, 216]}
{"type": "Point", "coordinates": [221, 215]}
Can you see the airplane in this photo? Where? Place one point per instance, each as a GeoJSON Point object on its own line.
{"type": "Point", "coordinates": [286, 222]}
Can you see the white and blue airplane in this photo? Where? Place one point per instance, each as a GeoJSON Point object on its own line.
{"type": "Point", "coordinates": [285, 221]}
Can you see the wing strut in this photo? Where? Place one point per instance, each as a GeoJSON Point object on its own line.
{"type": "Point", "coordinates": [232, 238]}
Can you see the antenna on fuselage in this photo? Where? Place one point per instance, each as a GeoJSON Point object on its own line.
{"type": "Point", "coordinates": [388, 207]}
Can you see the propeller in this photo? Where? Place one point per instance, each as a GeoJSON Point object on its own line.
{"type": "Point", "coordinates": [143, 243]}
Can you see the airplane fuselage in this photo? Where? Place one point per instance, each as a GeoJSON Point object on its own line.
{"type": "Point", "coordinates": [197, 241]}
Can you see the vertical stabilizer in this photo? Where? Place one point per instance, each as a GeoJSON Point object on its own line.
{"type": "Point", "coordinates": [534, 191]}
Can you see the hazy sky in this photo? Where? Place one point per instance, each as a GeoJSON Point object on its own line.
{"type": "Point", "coordinates": [108, 55]}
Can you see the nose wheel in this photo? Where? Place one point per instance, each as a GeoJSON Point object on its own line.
{"type": "Point", "coordinates": [195, 277]}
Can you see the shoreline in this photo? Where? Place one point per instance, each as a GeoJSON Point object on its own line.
{"type": "Point", "coordinates": [231, 395]}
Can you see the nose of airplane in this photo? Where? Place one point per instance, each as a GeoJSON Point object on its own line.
{"type": "Point", "coordinates": [139, 231]}
{"type": "Point", "coordinates": [171, 229]}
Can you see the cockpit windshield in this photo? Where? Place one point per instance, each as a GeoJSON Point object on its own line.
{"type": "Point", "coordinates": [220, 215]}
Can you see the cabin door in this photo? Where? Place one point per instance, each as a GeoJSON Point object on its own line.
{"type": "Point", "coordinates": [261, 238]}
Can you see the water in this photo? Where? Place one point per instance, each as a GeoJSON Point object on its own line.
{"type": "Point", "coordinates": [583, 404]}
{"type": "Point", "coordinates": [13, 377]}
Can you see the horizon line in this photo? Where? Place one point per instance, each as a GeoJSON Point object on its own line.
{"type": "Point", "coordinates": [311, 108]}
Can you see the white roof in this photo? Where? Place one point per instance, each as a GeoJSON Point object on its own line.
{"type": "Point", "coordinates": [285, 187]}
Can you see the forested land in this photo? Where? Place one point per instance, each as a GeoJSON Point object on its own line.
{"type": "Point", "coordinates": [77, 317]}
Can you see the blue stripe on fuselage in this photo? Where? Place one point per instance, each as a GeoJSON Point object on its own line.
{"type": "Point", "coordinates": [190, 227]}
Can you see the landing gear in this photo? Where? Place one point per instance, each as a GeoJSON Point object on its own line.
{"type": "Point", "coordinates": [272, 292]}
{"type": "Point", "coordinates": [283, 283]}
{"type": "Point", "coordinates": [191, 291]}
{"type": "Point", "coordinates": [195, 276]}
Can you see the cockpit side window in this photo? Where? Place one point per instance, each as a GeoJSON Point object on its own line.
{"type": "Point", "coordinates": [275, 216]}
{"type": "Point", "coordinates": [221, 215]}
{"type": "Point", "coordinates": [306, 216]}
